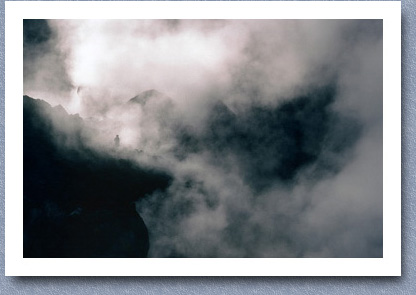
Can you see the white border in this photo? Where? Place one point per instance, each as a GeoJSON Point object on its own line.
{"type": "Point", "coordinates": [389, 265]}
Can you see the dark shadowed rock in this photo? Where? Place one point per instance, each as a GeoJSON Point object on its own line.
{"type": "Point", "coordinates": [277, 143]}
{"type": "Point", "coordinates": [77, 202]}
{"type": "Point", "coordinates": [145, 96]}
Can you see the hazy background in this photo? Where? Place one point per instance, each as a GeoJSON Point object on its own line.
{"type": "Point", "coordinates": [271, 129]}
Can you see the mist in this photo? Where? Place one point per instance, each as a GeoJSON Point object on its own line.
{"type": "Point", "coordinates": [271, 129]}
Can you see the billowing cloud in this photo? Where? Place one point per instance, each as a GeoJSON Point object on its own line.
{"type": "Point", "coordinates": [272, 129]}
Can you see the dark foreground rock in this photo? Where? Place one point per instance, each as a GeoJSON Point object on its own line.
{"type": "Point", "coordinates": [78, 202]}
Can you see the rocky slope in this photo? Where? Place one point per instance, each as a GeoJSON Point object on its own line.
{"type": "Point", "coordinates": [79, 202]}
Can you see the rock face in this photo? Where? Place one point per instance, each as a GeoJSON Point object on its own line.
{"type": "Point", "coordinates": [78, 202]}
{"type": "Point", "coordinates": [304, 134]}
{"type": "Point", "coordinates": [145, 96]}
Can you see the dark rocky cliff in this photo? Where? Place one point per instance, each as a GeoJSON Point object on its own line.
{"type": "Point", "coordinates": [79, 202]}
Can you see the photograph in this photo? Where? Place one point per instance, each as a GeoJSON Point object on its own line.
{"type": "Point", "coordinates": [202, 138]}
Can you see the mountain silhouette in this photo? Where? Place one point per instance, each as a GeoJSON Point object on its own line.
{"type": "Point", "coordinates": [145, 96]}
{"type": "Point", "coordinates": [79, 202]}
